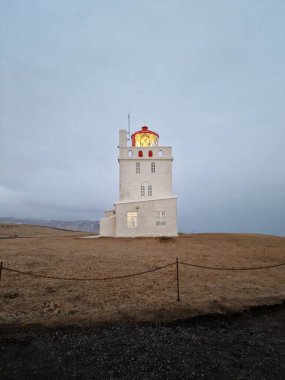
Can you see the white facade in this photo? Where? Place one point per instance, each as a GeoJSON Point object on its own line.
{"type": "Point", "coordinates": [146, 205]}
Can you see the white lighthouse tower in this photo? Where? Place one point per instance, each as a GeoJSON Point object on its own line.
{"type": "Point", "coordinates": [147, 205]}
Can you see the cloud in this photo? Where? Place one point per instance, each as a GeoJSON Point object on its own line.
{"type": "Point", "coordinates": [209, 77]}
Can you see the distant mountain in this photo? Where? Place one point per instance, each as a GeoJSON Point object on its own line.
{"type": "Point", "coordinates": [77, 225]}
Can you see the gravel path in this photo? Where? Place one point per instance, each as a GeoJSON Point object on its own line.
{"type": "Point", "coordinates": [246, 346]}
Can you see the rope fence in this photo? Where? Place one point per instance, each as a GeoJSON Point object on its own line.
{"type": "Point", "coordinates": [85, 279]}
{"type": "Point", "coordinates": [219, 268]}
{"type": "Point", "coordinates": [176, 263]}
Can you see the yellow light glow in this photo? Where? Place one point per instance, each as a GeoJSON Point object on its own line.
{"type": "Point", "coordinates": [132, 219]}
{"type": "Point", "coordinates": [146, 139]}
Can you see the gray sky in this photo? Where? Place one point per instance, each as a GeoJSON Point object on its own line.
{"type": "Point", "coordinates": [208, 76]}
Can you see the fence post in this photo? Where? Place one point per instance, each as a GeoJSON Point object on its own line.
{"type": "Point", "coordinates": [1, 266]}
{"type": "Point", "coordinates": [177, 280]}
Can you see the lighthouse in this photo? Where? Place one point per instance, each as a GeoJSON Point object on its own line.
{"type": "Point", "coordinates": [146, 205]}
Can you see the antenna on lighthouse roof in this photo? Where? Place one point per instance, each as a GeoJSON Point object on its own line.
{"type": "Point", "coordinates": [129, 127]}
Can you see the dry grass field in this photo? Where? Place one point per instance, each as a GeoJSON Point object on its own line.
{"type": "Point", "coordinates": [150, 297]}
{"type": "Point", "coordinates": [24, 230]}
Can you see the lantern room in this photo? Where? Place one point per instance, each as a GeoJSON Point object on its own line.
{"type": "Point", "coordinates": [145, 138]}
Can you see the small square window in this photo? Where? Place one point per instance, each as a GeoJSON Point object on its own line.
{"type": "Point", "coordinates": [160, 217]}
{"type": "Point", "coordinates": [138, 167]}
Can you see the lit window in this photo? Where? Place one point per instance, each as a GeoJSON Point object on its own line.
{"type": "Point", "coordinates": [160, 217]}
{"type": "Point", "coordinates": [142, 191]}
{"type": "Point", "coordinates": [146, 139]}
{"type": "Point", "coordinates": [149, 190]}
{"type": "Point", "coordinates": [153, 167]}
{"type": "Point", "coordinates": [132, 219]}
{"type": "Point", "coordinates": [150, 153]}
{"type": "Point", "coordinates": [138, 167]}
{"type": "Point", "coordinates": [140, 153]}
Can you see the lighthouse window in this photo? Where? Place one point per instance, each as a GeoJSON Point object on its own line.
{"type": "Point", "coordinates": [145, 138]}
{"type": "Point", "coordinates": [138, 167]}
{"type": "Point", "coordinates": [140, 153]}
{"type": "Point", "coordinates": [160, 217]}
{"type": "Point", "coordinates": [132, 219]}
{"type": "Point", "coordinates": [142, 191]}
{"type": "Point", "coordinates": [149, 190]}
{"type": "Point", "coordinates": [153, 167]}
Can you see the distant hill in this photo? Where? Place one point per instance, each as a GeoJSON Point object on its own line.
{"type": "Point", "coordinates": [76, 225]}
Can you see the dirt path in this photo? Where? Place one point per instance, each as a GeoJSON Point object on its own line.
{"type": "Point", "coordinates": [245, 346]}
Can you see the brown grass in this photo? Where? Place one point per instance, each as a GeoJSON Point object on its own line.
{"type": "Point", "coordinates": [12, 231]}
{"type": "Point", "coordinates": [151, 297]}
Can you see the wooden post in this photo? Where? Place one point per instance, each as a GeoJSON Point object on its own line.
{"type": "Point", "coordinates": [1, 266]}
{"type": "Point", "coordinates": [177, 280]}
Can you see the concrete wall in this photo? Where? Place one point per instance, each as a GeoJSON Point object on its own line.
{"type": "Point", "coordinates": [122, 138]}
{"type": "Point", "coordinates": [146, 211]}
{"type": "Point", "coordinates": [108, 226]}
{"type": "Point", "coordinates": [131, 181]}
{"type": "Point", "coordinates": [133, 152]}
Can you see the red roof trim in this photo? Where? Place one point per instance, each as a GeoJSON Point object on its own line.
{"type": "Point", "coordinates": [145, 130]}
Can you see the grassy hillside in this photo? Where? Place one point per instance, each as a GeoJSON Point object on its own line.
{"type": "Point", "coordinates": [8, 231]}
{"type": "Point", "coordinates": [150, 297]}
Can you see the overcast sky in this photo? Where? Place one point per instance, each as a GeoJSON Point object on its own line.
{"type": "Point", "coordinates": [208, 76]}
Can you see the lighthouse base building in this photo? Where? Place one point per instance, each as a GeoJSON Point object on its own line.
{"type": "Point", "coordinates": [147, 205]}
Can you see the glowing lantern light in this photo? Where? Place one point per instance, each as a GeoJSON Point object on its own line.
{"type": "Point", "coordinates": [145, 138]}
